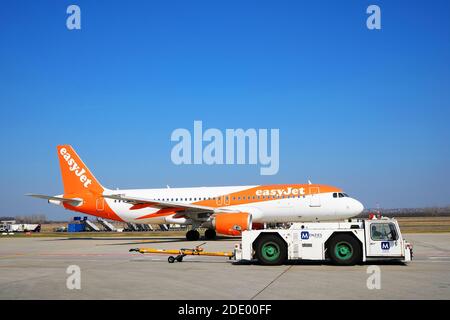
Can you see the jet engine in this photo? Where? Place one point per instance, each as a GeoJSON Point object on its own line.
{"type": "Point", "coordinates": [232, 223]}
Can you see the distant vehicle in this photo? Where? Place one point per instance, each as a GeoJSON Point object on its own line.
{"type": "Point", "coordinates": [225, 210]}
{"type": "Point", "coordinates": [20, 227]}
{"type": "Point", "coordinates": [60, 229]}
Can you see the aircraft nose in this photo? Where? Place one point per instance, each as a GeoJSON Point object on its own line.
{"type": "Point", "coordinates": [358, 206]}
{"type": "Point", "coordinates": [354, 207]}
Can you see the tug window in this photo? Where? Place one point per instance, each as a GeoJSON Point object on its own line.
{"type": "Point", "coordinates": [383, 231]}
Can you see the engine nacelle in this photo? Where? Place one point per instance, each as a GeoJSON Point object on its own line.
{"type": "Point", "coordinates": [232, 223]}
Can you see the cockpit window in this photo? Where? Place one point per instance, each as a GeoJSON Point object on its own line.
{"type": "Point", "coordinates": [339, 195]}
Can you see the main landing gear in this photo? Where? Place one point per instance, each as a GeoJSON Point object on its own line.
{"type": "Point", "coordinates": [210, 234]}
{"type": "Point", "coordinates": [194, 235]}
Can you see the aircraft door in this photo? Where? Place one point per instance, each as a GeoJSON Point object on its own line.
{"type": "Point", "coordinates": [314, 197]}
{"type": "Point", "coordinates": [100, 204]}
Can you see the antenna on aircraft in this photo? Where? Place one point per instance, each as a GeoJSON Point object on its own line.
{"type": "Point", "coordinates": [309, 181]}
{"type": "Point", "coordinates": [168, 187]}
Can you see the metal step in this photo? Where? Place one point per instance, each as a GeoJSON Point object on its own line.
{"type": "Point", "coordinates": [89, 225]}
{"type": "Point", "coordinates": [107, 225]}
{"type": "Point", "coordinates": [164, 227]}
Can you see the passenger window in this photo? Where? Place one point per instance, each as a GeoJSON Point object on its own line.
{"type": "Point", "coordinates": [383, 231]}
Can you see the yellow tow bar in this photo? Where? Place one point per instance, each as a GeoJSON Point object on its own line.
{"type": "Point", "coordinates": [181, 253]}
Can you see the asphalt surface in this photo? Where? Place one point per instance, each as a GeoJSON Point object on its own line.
{"type": "Point", "coordinates": [36, 268]}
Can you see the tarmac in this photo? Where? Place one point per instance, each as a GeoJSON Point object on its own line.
{"type": "Point", "coordinates": [37, 268]}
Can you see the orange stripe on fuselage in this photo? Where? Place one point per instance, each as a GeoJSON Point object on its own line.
{"type": "Point", "coordinates": [161, 213]}
{"type": "Point", "coordinates": [250, 195]}
{"type": "Point", "coordinates": [90, 206]}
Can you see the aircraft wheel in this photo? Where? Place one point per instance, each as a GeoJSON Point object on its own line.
{"type": "Point", "coordinates": [210, 234]}
{"type": "Point", "coordinates": [192, 235]}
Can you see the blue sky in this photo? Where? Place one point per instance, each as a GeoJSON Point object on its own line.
{"type": "Point", "coordinates": [364, 110]}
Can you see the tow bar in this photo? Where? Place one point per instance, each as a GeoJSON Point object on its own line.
{"type": "Point", "coordinates": [181, 253]}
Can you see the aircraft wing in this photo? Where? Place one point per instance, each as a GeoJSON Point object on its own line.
{"type": "Point", "coordinates": [185, 207]}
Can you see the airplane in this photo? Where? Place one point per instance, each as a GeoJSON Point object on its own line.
{"type": "Point", "coordinates": [225, 210]}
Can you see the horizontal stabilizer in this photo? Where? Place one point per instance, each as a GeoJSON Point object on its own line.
{"type": "Point", "coordinates": [73, 202]}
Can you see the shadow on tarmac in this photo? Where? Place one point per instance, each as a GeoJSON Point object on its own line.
{"type": "Point", "coordinates": [143, 240]}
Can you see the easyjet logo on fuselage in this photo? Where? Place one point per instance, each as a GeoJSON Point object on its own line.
{"type": "Point", "coordinates": [74, 167]}
{"type": "Point", "coordinates": [281, 192]}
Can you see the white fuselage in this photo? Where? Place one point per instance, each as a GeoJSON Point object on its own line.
{"type": "Point", "coordinates": [284, 208]}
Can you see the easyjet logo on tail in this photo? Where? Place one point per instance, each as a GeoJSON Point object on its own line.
{"type": "Point", "coordinates": [75, 168]}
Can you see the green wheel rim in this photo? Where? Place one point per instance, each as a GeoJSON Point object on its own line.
{"type": "Point", "coordinates": [270, 251]}
{"type": "Point", "coordinates": [343, 250]}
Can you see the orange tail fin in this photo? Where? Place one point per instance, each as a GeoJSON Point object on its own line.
{"type": "Point", "coordinates": [77, 178]}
